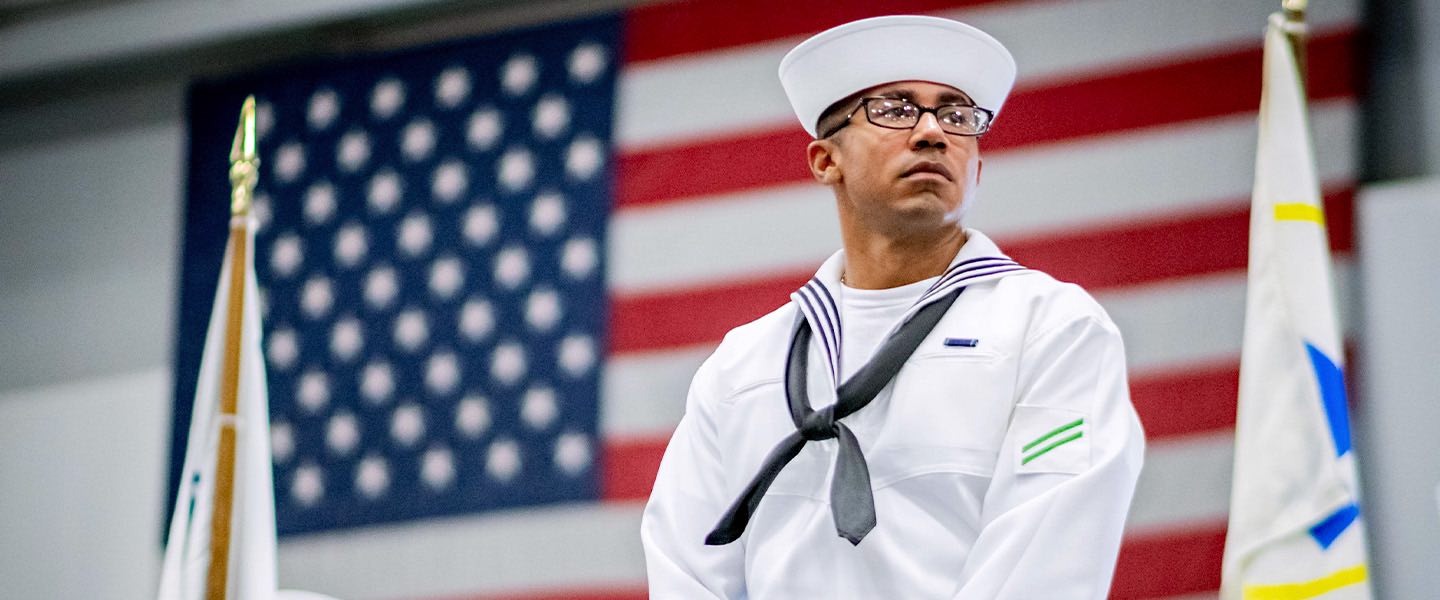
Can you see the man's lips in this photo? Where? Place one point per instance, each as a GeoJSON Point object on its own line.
{"type": "Point", "coordinates": [928, 166]}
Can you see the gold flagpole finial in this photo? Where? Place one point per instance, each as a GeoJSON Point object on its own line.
{"type": "Point", "coordinates": [1294, 10]}
{"type": "Point", "coordinates": [244, 165]}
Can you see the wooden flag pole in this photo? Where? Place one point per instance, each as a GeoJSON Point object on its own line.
{"type": "Point", "coordinates": [1295, 32]}
{"type": "Point", "coordinates": [243, 176]}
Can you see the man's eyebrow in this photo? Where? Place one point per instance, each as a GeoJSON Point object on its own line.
{"type": "Point", "coordinates": [955, 98]}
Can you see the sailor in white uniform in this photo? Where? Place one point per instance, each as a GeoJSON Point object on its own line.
{"type": "Point", "coordinates": [926, 418]}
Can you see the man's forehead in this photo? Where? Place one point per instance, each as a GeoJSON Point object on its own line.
{"type": "Point", "coordinates": [912, 89]}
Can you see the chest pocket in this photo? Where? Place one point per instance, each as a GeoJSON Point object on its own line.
{"type": "Point", "coordinates": [946, 412]}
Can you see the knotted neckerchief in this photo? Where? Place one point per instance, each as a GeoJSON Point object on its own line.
{"type": "Point", "coordinates": [851, 501]}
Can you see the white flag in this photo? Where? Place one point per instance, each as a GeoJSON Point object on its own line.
{"type": "Point", "coordinates": [251, 574]}
{"type": "Point", "coordinates": [1295, 528]}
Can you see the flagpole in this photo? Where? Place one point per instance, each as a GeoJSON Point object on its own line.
{"type": "Point", "coordinates": [1296, 33]}
{"type": "Point", "coordinates": [244, 169]}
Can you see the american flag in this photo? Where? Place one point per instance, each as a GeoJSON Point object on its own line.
{"type": "Point", "coordinates": [491, 266]}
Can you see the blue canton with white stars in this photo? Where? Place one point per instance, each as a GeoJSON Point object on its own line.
{"type": "Point", "coordinates": [430, 252]}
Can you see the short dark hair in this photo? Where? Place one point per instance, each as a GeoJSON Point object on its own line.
{"type": "Point", "coordinates": [832, 115]}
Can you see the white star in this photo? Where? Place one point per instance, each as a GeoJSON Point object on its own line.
{"type": "Point", "coordinates": [519, 74]}
{"type": "Point", "coordinates": [314, 391]}
{"type": "Point", "coordinates": [354, 150]}
{"type": "Point", "coordinates": [538, 409]}
{"type": "Point", "coordinates": [472, 416]}
{"type": "Point", "coordinates": [317, 297]}
{"type": "Point", "coordinates": [477, 319]}
{"type": "Point", "coordinates": [283, 348]}
{"type": "Point", "coordinates": [415, 234]}
{"type": "Point", "coordinates": [552, 116]}
{"type": "Point", "coordinates": [512, 266]}
{"type": "Point", "coordinates": [377, 382]}
{"type": "Point", "coordinates": [346, 339]}
{"type": "Point", "coordinates": [437, 468]}
{"type": "Point", "coordinates": [319, 203]}
{"type": "Point", "coordinates": [285, 255]}
{"type": "Point", "coordinates": [449, 181]}
{"type": "Point", "coordinates": [307, 485]}
{"type": "Point", "coordinates": [260, 209]}
{"type": "Point", "coordinates": [587, 62]}
{"type": "Point", "coordinates": [584, 157]}
{"type": "Point", "coordinates": [517, 169]}
{"type": "Point", "coordinates": [384, 191]}
{"type": "Point", "coordinates": [452, 86]}
{"type": "Point", "coordinates": [282, 442]}
{"type": "Point", "coordinates": [411, 329]}
{"type": "Point", "coordinates": [447, 275]}
{"type": "Point", "coordinates": [381, 287]}
{"type": "Point", "coordinates": [418, 139]}
{"type": "Point", "coordinates": [442, 373]}
{"type": "Point", "coordinates": [324, 107]}
{"type": "Point", "coordinates": [372, 476]}
{"type": "Point", "coordinates": [507, 363]}
{"type": "Point", "coordinates": [481, 224]}
{"type": "Point", "coordinates": [579, 257]}
{"type": "Point", "coordinates": [342, 433]}
{"type": "Point", "coordinates": [264, 119]}
{"type": "Point", "coordinates": [542, 309]}
{"type": "Point", "coordinates": [577, 355]}
{"type": "Point", "coordinates": [547, 214]}
{"type": "Point", "coordinates": [502, 462]}
{"type": "Point", "coordinates": [289, 162]}
{"type": "Point", "coordinates": [572, 453]}
{"type": "Point", "coordinates": [387, 98]}
{"type": "Point", "coordinates": [407, 424]}
{"type": "Point", "coordinates": [483, 129]}
{"type": "Point", "coordinates": [351, 243]}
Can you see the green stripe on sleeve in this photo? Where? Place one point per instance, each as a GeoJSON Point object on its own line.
{"type": "Point", "coordinates": [1054, 432]}
{"type": "Point", "coordinates": [1057, 444]}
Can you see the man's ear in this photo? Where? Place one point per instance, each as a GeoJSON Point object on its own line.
{"type": "Point", "coordinates": [820, 155]}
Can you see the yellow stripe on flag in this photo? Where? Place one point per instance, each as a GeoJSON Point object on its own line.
{"type": "Point", "coordinates": [1307, 589]}
{"type": "Point", "coordinates": [1300, 212]}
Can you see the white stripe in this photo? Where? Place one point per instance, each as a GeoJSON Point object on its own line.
{"type": "Point", "coordinates": [591, 546]}
{"type": "Point", "coordinates": [1167, 326]}
{"type": "Point", "coordinates": [1155, 172]}
{"type": "Point", "coordinates": [724, 92]}
{"type": "Point", "coordinates": [1185, 482]}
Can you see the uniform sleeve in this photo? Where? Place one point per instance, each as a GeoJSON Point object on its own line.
{"type": "Point", "coordinates": [1053, 516]}
{"type": "Point", "coordinates": [686, 502]}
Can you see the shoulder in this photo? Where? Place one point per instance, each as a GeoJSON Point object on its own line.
{"type": "Point", "coordinates": [1051, 304]}
{"type": "Point", "coordinates": [750, 353]}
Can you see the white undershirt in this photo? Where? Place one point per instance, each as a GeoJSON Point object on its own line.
{"type": "Point", "coordinates": [867, 315]}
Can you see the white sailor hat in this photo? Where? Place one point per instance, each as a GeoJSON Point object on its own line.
{"type": "Point", "coordinates": [843, 60]}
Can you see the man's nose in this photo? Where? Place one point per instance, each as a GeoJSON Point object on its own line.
{"type": "Point", "coordinates": [927, 133]}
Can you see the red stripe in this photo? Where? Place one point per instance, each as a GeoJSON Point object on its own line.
{"type": "Point", "coordinates": [696, 315]}
{"type": "Point", "coordinates": [1155, 250]}
{"type": "Point", "coordinates": [1124, 254]}
{"type": "Point", "coordinates": [1180, 402]}
{"type": "Point", "coordinates": [1201, 88]}
{"type": "Point", "coordinates": [1169, 563]}
{"type": "Point", "coordinates": [674, 28]}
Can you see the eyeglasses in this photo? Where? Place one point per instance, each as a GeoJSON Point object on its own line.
{"type": "Point", "coordinates": [898, 113]}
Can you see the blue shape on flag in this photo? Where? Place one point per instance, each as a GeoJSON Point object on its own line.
{"type": "Point", "coordinates": [1332, 395]}
{"type": "Point", "coordinates": [1329, 529]}
{"type": "Point", "coordinates": [430, 253]}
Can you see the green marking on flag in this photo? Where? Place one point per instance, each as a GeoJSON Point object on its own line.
{"type": "Point", "coordinates": [1053, 446]}
{"type": "Point", "coordinates": [1054, 432]}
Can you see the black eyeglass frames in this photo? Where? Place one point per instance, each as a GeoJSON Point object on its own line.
{"type": "Point", "coordinates": [899, 113]}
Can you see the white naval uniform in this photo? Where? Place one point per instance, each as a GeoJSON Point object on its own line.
{"type": "Point", "coordinates": [969, 501]}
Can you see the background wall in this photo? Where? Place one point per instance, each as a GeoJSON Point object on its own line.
{"type": "Point", "coordinates": [91, 156]}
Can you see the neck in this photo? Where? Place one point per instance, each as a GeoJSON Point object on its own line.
{"type": "Point", "coordinates": [875, 262]}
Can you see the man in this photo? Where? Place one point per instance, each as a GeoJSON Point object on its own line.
{"type": "Point", "coordinates": [925, 418]}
